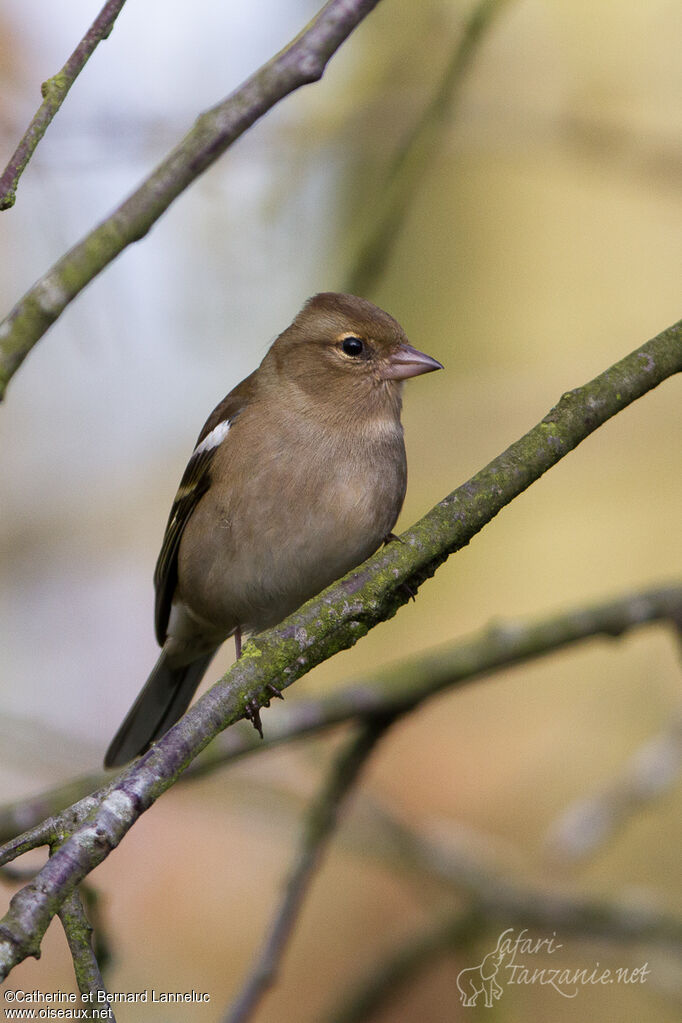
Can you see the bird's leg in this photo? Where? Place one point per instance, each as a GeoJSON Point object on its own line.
{"type": "Point", "coordinates": [238, 642]}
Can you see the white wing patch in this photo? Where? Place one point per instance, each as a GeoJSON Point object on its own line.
{"type": "Point", "coordinates": [213, 439]}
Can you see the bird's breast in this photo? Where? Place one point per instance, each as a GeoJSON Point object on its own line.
{"type": "Point", "coordinates": [307, 510]}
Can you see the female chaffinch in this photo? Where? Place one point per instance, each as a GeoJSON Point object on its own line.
{"type": "Point", "coordinates": [297, 476]}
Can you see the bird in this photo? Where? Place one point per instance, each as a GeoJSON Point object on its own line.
{"type": "Point", "coordinates": [297, 477]}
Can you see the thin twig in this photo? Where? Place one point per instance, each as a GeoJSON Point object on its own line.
{"type": "Point", "coordinates": [34, 838]}
{"type": "Point", "coordinates": [79, 933]}
{"type": "Point", "coordinates": [589, 823]}
{"type": "Point", "coordinates": [492, 892]}
{"type": "Point", "coordinates": [328, 623]}
{"type": "Point", "coordinates": [54, 92]}
{"type": "Point", "coordinates": [581, 918]}
{"type": "Point", "coordinates": [492, 899]}
{"type": "Point", "coordinates": [303, 61]}
{"type": "Point", "coordinates": [320, 821]}
{"type": "Point", "coordinates": [388, 979]}
{"type": "Point", "coordinates": [417, 150]}
{"type": "Point", "coordinates": [93, 904]}
{"type": "Point", "coordinates": [53, 829]}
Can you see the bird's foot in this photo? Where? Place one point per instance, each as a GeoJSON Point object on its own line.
{"type": "Point", "coordinates": [253, 707]}
{"type": "Point", "coordinates": [252, 714]}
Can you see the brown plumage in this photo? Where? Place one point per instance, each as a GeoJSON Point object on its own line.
{"type": "Point", "coordinates": [298, 475]}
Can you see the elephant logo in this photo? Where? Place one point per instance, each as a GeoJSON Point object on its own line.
{"type": "Point", "coordinates": [481, 980]}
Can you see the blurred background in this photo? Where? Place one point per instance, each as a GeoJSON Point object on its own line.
{"type": "Point", "coordinates": [543, 243]}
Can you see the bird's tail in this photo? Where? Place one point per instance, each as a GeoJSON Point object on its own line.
{"type": "Point", "coordinates": [163, 700]}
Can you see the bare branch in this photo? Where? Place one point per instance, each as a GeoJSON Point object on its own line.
{"type": "Point", "coordinates": [301, 62]}
{"type": "Point", "coordinates": [388, 979]}
{"type": "Point", "coordinates": [53, 829]}
{"type": "Point", "coordinates": [333, 621]}
{"type": "Point", "coordinates": [418, 149]}
{"type": "Point", "coordinates": [54, 92]}
{"type": "Point", "coordinates": [319, 824]}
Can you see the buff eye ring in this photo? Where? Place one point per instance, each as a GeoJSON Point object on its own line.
{"type": "Point", "coordinates": [353, 346]}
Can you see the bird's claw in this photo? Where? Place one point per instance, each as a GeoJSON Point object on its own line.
{"type": "Point", "coordinates": [253, 707]}
{"type": "Point", "coordinates": [252, 714]}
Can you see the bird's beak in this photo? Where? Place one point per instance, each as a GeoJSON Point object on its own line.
{"type": "Point", "coordinates": [406, 362]}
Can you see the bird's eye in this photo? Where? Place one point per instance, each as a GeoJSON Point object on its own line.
{"type": "Point", "coordinates": [353, 346]}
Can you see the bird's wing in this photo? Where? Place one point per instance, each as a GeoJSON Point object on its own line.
{"type": "Point", "coordinates": [195, 482]}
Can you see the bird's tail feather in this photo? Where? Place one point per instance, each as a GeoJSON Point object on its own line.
{"type": "Point", "coordinates": [163, 700]}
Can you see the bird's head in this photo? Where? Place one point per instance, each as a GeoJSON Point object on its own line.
{"type": "Point", "coordinates": [342, 348]}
